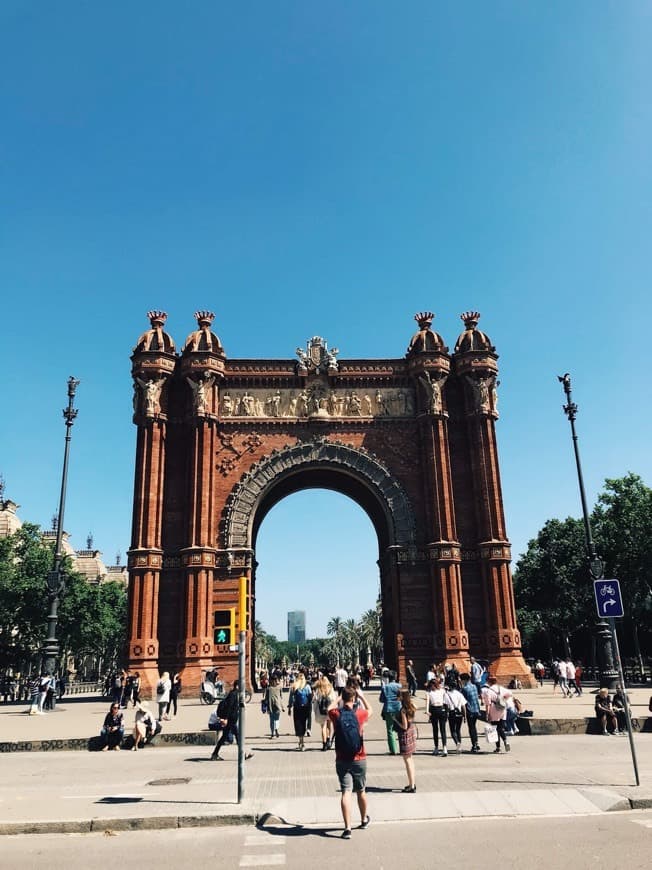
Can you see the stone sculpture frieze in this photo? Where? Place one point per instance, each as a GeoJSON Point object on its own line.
{"type": "Point", "coordinates": [317, 400]}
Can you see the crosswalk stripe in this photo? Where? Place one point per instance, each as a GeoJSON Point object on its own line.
{"type": "Point", "coordinates": [262, 860]}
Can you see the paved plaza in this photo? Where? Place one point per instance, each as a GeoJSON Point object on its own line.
{"type": "Point", "coordinates": [176, 785]}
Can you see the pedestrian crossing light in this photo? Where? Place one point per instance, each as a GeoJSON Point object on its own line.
{"type": "Point", "coordinates": [225, 626]}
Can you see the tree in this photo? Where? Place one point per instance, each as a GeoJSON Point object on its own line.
{"type": "Point", "coordinates": [552, 583]}
{"type": "Point", "coordinates": [92, 619]}
{"type": "Point", "coordinates": [622, 522]}
{"type": "Point", "coordinates": [552, 587]}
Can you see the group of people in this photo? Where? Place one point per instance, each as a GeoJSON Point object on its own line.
{"type": "Point", "coordinates": [146, 726]}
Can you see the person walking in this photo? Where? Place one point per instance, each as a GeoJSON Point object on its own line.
{"type": "Point", "coordinates": [175, 691]}
{"type": "Point", "coordinates": [494, 697]}
{"type": "Point", "coordinates": [228, 711]}
{"type": "Point", "coordinates": [411, 677]}
{"type": "Point", "coordinates": [407, 738]}
{"type": "Point", "coordinates": [273, 698]}
{"type": "Point", "coordinates": [456, 702]}
{"type": "Point", "coordinates": [323, 696]}
{"type": "Point", "coordinates": [476, 674]}
{"type": "Point", "coordinates": [390, 699]}
{"type": "Point", "coordinates": [472, 709]}
{"type": "Point", "coordinates": [438, 714]}
{"type": "Point", "coordinates": [350, 756]}
{"type": "Point", "coordinates": [163, 688]}
{"type": "Point", "coordinates": [299, 705]}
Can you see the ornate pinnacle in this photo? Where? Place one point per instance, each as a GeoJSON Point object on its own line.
{"type": "Point", "coordinates": [470, 319]}
{"type": "Point", "coordinates": [157, 318]}
{"type": "Point", "coordinates": [424, 319]}
{"type": "Point", "coordinates": [204, 318]}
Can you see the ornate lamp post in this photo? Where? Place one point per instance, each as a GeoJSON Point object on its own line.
{"type": "Point", "coordinates": [608, 672]}
{"type": "Point", "coordinates": [56, 577]}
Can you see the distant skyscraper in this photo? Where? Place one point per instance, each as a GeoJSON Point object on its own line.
{"type": "Point", "coordinates": [296, 626]}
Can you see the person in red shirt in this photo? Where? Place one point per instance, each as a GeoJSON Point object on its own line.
{"type": "Point", "coordinates": [350, 755]}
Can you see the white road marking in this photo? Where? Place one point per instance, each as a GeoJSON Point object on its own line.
{"type": "Point", "coordinates": [262, 860]}
{"type": "Point", "coordinates": [647, 823]}
{"type": "Point", "coordinates": [262, 839]}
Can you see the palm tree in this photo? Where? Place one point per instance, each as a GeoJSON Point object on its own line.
{"type": "Point", "coordinates": [370, 630]}
{"type": "Point", "coordinates": [334, 631]}
{"type": "Point", "coordinates": [351, 641]}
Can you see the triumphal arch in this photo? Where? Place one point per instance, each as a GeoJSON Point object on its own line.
{"type": "Point", "coordinates": [411, 440]}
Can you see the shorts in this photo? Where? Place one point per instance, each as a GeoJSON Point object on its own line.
{"type": "Point", "coordinates": [352, 775]}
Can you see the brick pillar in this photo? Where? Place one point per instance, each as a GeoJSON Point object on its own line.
{"type": "Point", "coordinates": [145, 557]}
{"type": "Point", "coordinates": [201, 368]}
{"type": "Point", "coordinates": [451, 642]}
{"type": "Point", "coordinates": [153, 362]}
{"type": "Point", "coordinates": [476, 365]}
{"type": "Point", "coordinates": [198, 557]}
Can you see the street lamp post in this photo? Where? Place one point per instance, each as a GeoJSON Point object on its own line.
{"type": "Point", "coordinates": [607, 668]}
{"type": "Point", "coordinates": [56, 577]}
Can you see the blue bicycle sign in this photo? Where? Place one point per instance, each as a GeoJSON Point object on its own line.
{"type": "Point", "coordinates": [608, 598]}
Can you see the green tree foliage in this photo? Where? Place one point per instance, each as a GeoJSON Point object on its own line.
{"type": "Point", "coordinates": [92, 618]}
{"type": "Point", "coordinates": [553, 594]}
{"type": "Point", "coordinates": [622, 521]}
{"type": "Point", "coordinates": [553, 588]}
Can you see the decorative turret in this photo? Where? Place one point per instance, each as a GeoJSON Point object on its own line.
{"type": "Point", "coordinates": [429, 364]}
{"type": "Point", "coordinates": [202, 339]}
{"type": "Point", "coordinates": [472, 338]}
{"type": "Point", "coordinates": [475, 361]}
{"type": "Point", "coordinates": [425, 340]}
{"type": "Point", "coordinates": [155, 340]}
{"type": "Point", "coordinates": [152, 362]}
{"type": "Point", "coordinates": [202, 364]}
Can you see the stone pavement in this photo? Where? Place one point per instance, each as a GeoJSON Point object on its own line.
{"type": "Point", "coordinates": [176, 785]}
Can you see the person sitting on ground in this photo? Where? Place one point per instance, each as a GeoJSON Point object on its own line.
{"type": "Point", "coordinates": [144, 725]}
{"type": "Point", "coordinates": [618, 702]}
{"type": "Point", "coordinates": [604, 712]}
{"type": "Point", "coordinates": [113, 729]}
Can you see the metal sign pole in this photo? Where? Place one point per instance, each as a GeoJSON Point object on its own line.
{"type": "Point", "coordinates": [628, 718]}
{"type": "Point", "coordinates": [241, 720]}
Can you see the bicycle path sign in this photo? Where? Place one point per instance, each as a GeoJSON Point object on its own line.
{"type": "Point", "coordinates": [608, 598]}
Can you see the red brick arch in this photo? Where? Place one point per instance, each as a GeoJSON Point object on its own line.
{"type": "Point", "coordinates": [412, 440]}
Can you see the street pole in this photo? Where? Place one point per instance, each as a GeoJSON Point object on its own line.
{"type": "Point", "coordinates": [56, 577]}
{"type": "Point", "coordinates": [628, 718]}
{"type": "Point", "coordinates": [608, 673]}
{"type": "Point", "coordinates": [242, 655]}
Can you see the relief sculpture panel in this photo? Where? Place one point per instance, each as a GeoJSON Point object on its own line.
{"type": "Point", "coordinates": [317, 400]}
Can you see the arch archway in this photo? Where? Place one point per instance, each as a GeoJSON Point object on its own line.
{"type": "Point", "coordinates": [323, 464]}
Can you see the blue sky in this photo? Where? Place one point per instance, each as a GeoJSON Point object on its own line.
{"type": "Point", "coordinates": [303, 168]}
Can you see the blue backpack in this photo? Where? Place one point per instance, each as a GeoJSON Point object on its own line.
{"type": "Point", "coordinates": [348, 739]}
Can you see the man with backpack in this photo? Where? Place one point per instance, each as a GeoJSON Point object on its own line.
{"type": "Point", "coordinates": [350, 756]}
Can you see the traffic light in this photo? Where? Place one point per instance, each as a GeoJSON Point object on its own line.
{"type": "Point", "coordinates": [225, 626]}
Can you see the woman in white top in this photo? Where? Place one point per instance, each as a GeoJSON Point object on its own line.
{"type": "Point", "coordinates": [323, 696]}
{"type": "Point", "coordinates": [457, 703]}
{"type": "Point", "coordinates": [163, 694]}
{"type": "Point", "coordinates": [438, 707]}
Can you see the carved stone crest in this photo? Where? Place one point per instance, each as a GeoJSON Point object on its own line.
{"type": "Point", "coordinates": [317, 358]}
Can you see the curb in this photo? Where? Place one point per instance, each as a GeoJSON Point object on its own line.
{"type": "Point", "coordinates": [151, 823]}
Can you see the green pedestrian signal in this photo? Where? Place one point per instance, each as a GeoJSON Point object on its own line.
{"type": "Point", "coordinates": [224, 626]}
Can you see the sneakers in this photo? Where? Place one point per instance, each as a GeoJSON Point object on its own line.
{"type": "Point", "coordinates": [308, 732]}
{"type": "Point", "coordinates": [346, 834]}
{"type": "Point", "coordinates": [497, 750]}
{"type": "Point", "coordinates": [435, 752]}
{"type": "Point", "coordinates": [365, 824]}
{"type": "Point", "coordinates": [409, 789]}
{"type": "Point", "coordinates": [444, 752]}
{"type": "Point", "coordinates": [508, 748]}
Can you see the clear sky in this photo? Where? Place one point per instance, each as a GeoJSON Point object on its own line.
{"type": "Point", "coordinates": [307, 168]}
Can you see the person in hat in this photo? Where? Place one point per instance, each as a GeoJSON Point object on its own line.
{"type": "Point", "coordinates": [143, 721]}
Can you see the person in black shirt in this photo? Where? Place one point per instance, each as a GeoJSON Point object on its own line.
{"type": "Point", "coordinates": [113, 729]}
